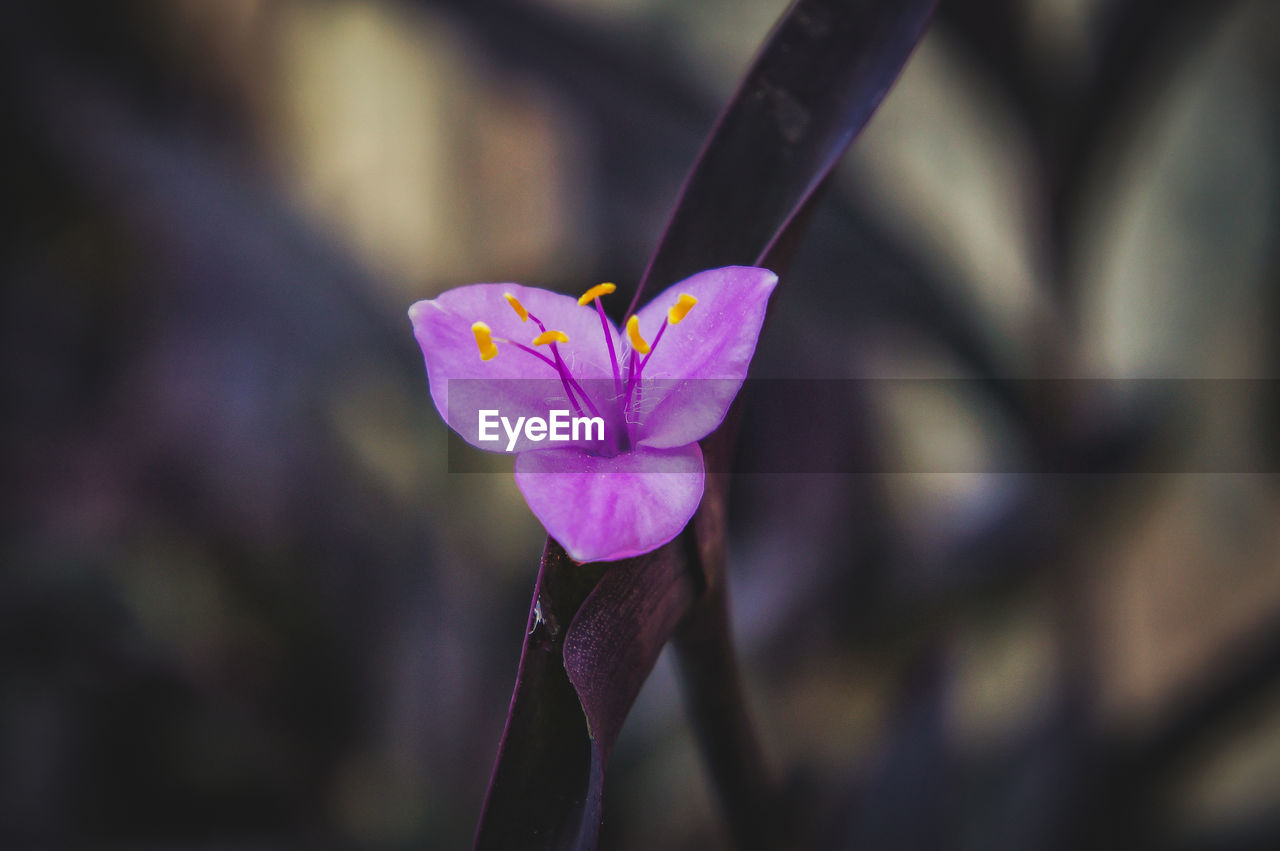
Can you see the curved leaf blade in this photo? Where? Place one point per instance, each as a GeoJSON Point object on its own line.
{"type": "Point", "coordinates": [814, 85]}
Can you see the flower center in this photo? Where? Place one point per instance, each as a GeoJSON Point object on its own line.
{"type": "Point", "coordinates": [626, 395]}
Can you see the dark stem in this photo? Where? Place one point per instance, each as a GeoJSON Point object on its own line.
{"type": "Point", "coordinates": [717, 706]}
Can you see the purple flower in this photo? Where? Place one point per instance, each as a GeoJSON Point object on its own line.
{"type": "Point", "coordinates": [604, 423]}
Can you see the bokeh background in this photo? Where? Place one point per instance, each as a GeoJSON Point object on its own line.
{"type": "Point", "coordinates": [244, 603]}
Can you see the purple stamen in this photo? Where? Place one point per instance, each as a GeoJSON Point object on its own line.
{"type": "Point", "coordinates": [613, 355]}
{"type": "Point", "coordinates": [566, 378]}
{"type": "Point", "coordinates": [633, 378]}
{"type": "Point", "coordinates": [561, 367]}
{"type": "Point", "coordinates": [654, 346]}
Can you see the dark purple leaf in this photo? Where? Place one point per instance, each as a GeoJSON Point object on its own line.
{"type": "Point", "coordinates": [823, 71]}
{"type": "Point", "coordinates": [814, 85]}
{"type": "Point", "coordinates": [540, 782]}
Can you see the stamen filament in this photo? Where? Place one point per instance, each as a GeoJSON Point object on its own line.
{"type": "Point", "coordinates": [566, 378]}
{"type": "Point", "coordinates": [656, 337]}
{"type": "Point", "coordinates": [633, 379]}
{"type": "Point", "coordinates": [586, 298]}
{"type": "Point", "coordinates": [562, 368]}
{"type": "Point", "coordinates": [613, 355]}
{"type": "Point", "coordinates": [675, 314]}
{"type": "Point", "coordinates": [539, 355]}
{"type": "Point", "coordinates": [538, 322]}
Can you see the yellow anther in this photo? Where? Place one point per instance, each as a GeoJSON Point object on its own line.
{"type": "Point", "coordinates": [595, 293]}
{"type": "Point", "coordinates": [517, 306]}
{"type": "Point", "coordinates": [633, 334]}
{"type": "Point", "coordinates": [551, 336]}
{"type": "Point", "coordinates": [681, 308]}
{"type": "Point", "coordinates": [484, 341]}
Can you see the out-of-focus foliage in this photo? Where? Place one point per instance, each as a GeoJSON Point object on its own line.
{"type": "Point", "coordinates": [244, 600]}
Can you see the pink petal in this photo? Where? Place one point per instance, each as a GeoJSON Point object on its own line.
{"type": "Point", "coordinates": [514, 383]}
{"type": "Point", "coordinates": [604, 509]}
{"type": "Point", "coordinates": [699, 365]}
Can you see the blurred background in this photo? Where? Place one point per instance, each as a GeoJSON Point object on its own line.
{"type": "Point", "coordinates": [243, 602]}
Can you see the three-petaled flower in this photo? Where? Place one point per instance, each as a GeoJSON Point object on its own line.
{"type": "Point", "coordinates": [658, 387]}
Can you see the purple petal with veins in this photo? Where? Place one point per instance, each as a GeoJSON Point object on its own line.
{"type": "Point", "coordinates": [698, 366]}
{"type": "Point", "coordinates": [604, 509]}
